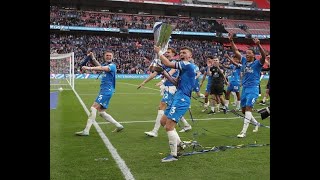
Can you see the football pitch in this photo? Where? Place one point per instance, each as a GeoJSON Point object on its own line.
{"type": "Point", "coordinates": [133, 154]}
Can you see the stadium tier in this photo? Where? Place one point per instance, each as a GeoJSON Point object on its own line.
{"type": "Point", "coordinates": [65, 17]}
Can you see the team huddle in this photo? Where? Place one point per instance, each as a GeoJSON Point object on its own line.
{"type": "Point", "coordinates": [180, 79]}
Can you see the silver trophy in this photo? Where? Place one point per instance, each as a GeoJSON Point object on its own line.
{"type": "Point", "coordinates": [162, 32]}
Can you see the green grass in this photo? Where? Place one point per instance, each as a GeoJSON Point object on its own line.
{"type": "Point", "coordinates": [73, 157]}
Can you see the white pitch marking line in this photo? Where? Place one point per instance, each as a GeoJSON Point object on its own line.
{"type": "Point", "coordinates": [120, 162]}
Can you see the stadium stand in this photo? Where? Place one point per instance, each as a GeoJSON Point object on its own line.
{"type": "Point", "coordinates": [133, 53]}
{"type": "Point", "coordinates": [136, 21]}
{"type": "Point", "coordinates": [245, 26]}
{"type": "Point", "coordinates": [263, 4]}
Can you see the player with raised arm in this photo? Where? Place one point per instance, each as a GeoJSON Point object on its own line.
{"type": "Point", "coordinates": [107, 88]}
{"type": "Point", "coordinates": [250, 82]}
{"type": "Point", "coordinates": [181, 100]}
{"type": "Point", "coordinates": [169, 90]}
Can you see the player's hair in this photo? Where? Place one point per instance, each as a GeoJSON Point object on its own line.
{"type": "Point", "coordinates": [210, 57]}
{"type": "Point", "coordinates": [251, 49]}
{"type": "Point", "coordinates": [109, 51]}
{"type": "Point", "coordinates": [216, 57]}
{"type": "Point", "coordinates": [173, 50]}
{"type": "Point", "coordinates": [188, 48]}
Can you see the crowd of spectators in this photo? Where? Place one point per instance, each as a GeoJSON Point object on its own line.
{"type": "Point", "coordinates": [59, 66]}
{"type": "Point", "coordinates": [132, 55]}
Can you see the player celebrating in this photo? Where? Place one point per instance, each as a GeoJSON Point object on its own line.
{"type": "Point", "coordinates": [107, 87]}
{"type": "Point", "coordinates": [250, 82]}
{"type": "Point", "coordinates": [169, 91]}
{"type": "Point", "coordinates": [181, 100]}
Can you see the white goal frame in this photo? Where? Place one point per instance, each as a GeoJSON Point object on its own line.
{"type": "Point", "coordinates": [57, 76]}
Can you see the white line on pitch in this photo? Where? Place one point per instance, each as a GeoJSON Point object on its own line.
{"type": "Point", "coordinates": [120, 162]}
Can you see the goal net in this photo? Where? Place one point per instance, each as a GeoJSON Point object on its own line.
{"type": "Point", "coordinates": [62, 71]}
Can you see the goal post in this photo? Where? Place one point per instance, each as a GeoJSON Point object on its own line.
{"type": "Point", "coordinates": [62, 71]}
